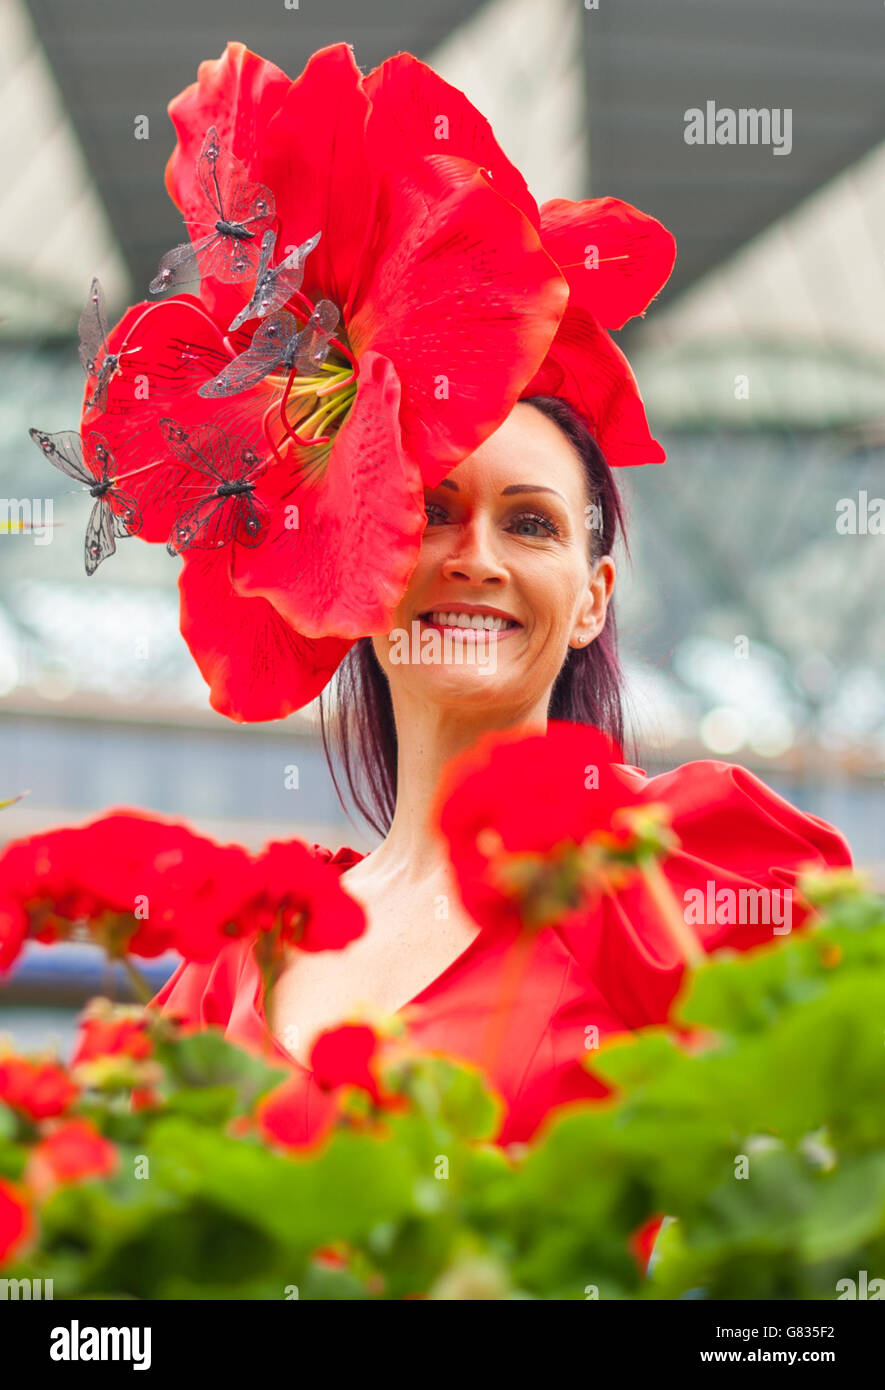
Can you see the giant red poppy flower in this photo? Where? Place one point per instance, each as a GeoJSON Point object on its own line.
{"type": "Point", "coordinates": [448, 305]}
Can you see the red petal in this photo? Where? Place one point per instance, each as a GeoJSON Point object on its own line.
{"type": "Point", "coordinates": [13, 932]}
{"type": "Point", "coordinates": [588, 369]}
{"type": "Point", "coordinates": [16, 1221]}
{"type": "Point", "coordinates": [168, 350]}
{"type": "Point", "coordinates": [256, 665]}
{"type": "Point", "coordinates": [341, 1057]}
{"type": "Point", "coordinates": [520, 791]}
{"type": "Point", "coordinates": [458, 292]}
{"type": "Point", "coordinates": [314, 160]}
{"type": "Point", "coordinates": [303, 139]}
{"type": "Point", "coordinates": [432, 117]}
{"type": "Point", "coordinates": [297, 1114]}
{"type": "Point", "coordinates": [239, 93]}
{"type": "Point", "coordinates": [360, 521]}
{"type": "Point", "coordinates": [634, 255]}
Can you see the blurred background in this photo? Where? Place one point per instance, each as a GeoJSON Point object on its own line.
{"type": "Point", "coordinates": [752, 627]}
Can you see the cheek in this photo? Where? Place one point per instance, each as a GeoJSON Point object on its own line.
{"type": "Point", "coordinates": [554, 589]}
{"type": "Point", "coordinates": [417, 584]}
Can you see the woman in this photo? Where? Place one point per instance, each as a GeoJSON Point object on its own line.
{"type": "Point", "coordinates": [394, 408]}
{"type": "Point", "coordinates": [506, 537]}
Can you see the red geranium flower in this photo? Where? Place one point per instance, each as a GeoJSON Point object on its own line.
{"type": "Point", "coordinates": [642, 1241]}
{"type": "Point", "coordinates": [13, 930]}
{"type": "Point", "coordinates": [294, 899]}
{"type": "Point", "coordinates": [296, 1115]}
{"type": "Point", "coordinates": [16, 1221]}
{"type": "Point", "coordinates": [343, 1056]}
{"type": "Point", "coordinates": [72, 1152]}
{"type": "Point", "coordinates": [523, 794]}
{"type": "Point", "coordinates": [180, 886]}
{"type": "Point", "coordinates": [142, 885]}
{"type": "Point", "coordinates": [109, 1031]}
{"type": "Point", "coordinates": [40, 1090]}
{"type": "Point", "coordinates": [40, 876]}
{"type": "Point", "coordinates": [430, 251]}
{"type": "Point", "coordinates": [299, 1114]}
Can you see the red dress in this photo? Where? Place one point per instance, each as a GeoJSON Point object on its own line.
{"type": "Point", "coordinates": [616, 972]}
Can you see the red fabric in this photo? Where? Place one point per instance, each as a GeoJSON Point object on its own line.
{"type": "Point", "coordinates": [615, 973]}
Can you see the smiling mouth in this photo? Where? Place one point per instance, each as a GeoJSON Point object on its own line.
{"type": "Point", "coordinates": [467, 624]}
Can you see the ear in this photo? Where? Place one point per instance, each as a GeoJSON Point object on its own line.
{"type": "Point", "coordinates": [590, 616]}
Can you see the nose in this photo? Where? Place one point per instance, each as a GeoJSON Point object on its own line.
{"type": "Point", "coordinates": [473, 555]}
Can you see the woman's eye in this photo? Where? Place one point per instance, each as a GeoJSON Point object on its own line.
{"type": "Point", "coordinates": [433, 511]}
{"type": "Point", "coordinates": [543, 525]}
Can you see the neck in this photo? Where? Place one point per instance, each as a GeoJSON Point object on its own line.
{"type": "Point", "coordinates": [428, 737]}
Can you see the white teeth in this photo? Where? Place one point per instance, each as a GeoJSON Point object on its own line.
{"type": "Point", "coordinates": [473, 620]}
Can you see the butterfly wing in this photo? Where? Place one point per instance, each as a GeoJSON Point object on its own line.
{"type": "Point", "coordinates": [65, 451]}
{"type": "Point", "coordinates": [250, 310]}
{"type": "Point", "coordinates": [283, 281]}
{"type": "Point", "coordinates": [313, 341]}
{"type": "Point", "coordinates": [204, 526]}
{"type": "Point", "coordinates": [266, 352]}
{"type": "Point", "coordinates": [99, 536]}
{"type": "Point", "coordinates": [232, 198]}
{"type": "Point", "coordinates": [216, 170]}
{"type": "Point", "coordinates": [216, 521]}
{"type": "Point", "coordinates": [98, 455]}
{"type": "Point", "coordinates": [127, 518]}
{"type": "Point", "coordinates": [203, 449]}
{"type": "Point", "coordinates": [179, 264]}
{"type": "Point", "coordinates": [92, 328]}
{"type": "Point", "coordinates": [247, 370]}
{"type": "Point", "coordinates": [250, 520]}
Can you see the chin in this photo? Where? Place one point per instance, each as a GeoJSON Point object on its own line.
{"type": "Point", "coordinates": [440, 684]}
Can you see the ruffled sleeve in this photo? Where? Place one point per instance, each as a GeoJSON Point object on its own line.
{"type": "Point", "coordinates": [742, 847]}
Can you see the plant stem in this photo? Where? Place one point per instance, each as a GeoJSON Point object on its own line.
{"type": "Point", "coordinates": [143, 991]}
{"type": "Point", "coordinates": [680, 933]}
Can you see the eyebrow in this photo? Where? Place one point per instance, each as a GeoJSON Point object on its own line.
{"type": "Point", "coordinates": [513, 488]}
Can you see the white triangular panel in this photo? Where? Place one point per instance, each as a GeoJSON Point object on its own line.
{"type": "Point", "coordinates": [816, 276]}
{"type": "Point", "coordinates": [54, 232]}
{"type": "Point", "coordinates": [520, 63]}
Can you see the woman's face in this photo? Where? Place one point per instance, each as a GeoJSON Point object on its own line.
{"type": "Point", "coordinates": [506, 543]}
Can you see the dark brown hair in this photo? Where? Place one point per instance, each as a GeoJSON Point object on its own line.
{"type": "Point", "coordinates": [588, 689]}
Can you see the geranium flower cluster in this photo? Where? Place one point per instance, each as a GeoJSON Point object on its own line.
{"type": "Point", "coordinates": [377, 289]}
{"type": "Point", "coordinates": [117, 1053]}
{"type": "Point", "coordinates": [139, 886]}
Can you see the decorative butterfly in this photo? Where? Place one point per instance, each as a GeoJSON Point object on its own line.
{"type": "Point", "coordinates": [235, 212]}
{"type": "Point", "coordinates": [93, 330]}
{"type": "Point", "coordinates": [278, 344]}
{"type": "Point", "coordinates": [274, 286]}
{"type": "Point", "coordinates": [115, 513]}
{"type": "Point", "coordinates": [226, 510]}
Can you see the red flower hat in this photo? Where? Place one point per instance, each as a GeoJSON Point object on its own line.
{"type": "Point", "coordinates": [292, 482]}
